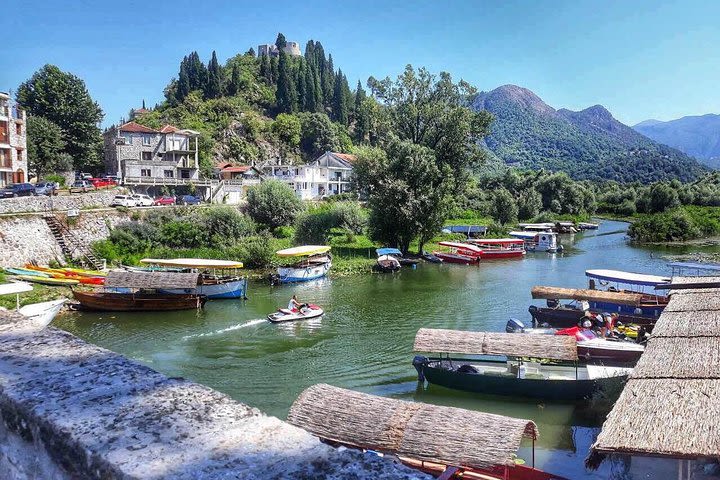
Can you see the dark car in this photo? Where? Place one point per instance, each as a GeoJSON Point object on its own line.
{"type": "Point", "coordinates": [18, 190]}
{"type": "Point", "coordinates": [188, 200]}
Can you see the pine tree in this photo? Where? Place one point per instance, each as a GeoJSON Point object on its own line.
{"type": "Point", "coordinates": [280, 42]}
{"type": "Point", "coordinates": [234, 85]}
{"type": "Point", "coordinates": [286, 95]}
{"type": "Point", "coordinates": [213, 86]}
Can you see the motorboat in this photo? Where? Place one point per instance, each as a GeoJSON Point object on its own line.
{"type": "Point", "coordinates": [462, 253]}
{"type": "Point", "coordinates": [305, 312]}
{"type": "Point", "coordinates": [387, 264]}
{"type": "Point", "coordinates": [590, 347]}
{"type": "Point", "coordinates": [429, 257]}
{"type": "Point", "coordinates": [652, 304]}
{"type": "Point", "coordinates": [497, 248]}
{"type": "Point", "coordinates": [587, 226]}
{"type": "Point", "coordinates": [219, 278]}
{"type": "Point", "coordinates": [38, 314]}
{"type": "Point", "coordinates": [544, 241]}
{"type": "Point", "coordinates": [397, 255]}
{"type": "Point", "coordinates": [314, 262]}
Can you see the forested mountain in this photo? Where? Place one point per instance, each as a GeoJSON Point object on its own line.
{"type": "Point", "coordinates": [698, 136]}
{"type": "Point", "coordinates": [589, 144]}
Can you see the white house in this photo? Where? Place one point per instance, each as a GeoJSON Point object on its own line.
{"type": "Point", "coordinates": [329, 174]}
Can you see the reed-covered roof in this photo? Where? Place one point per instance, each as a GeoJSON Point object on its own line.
{"type": "Point", "coordinates": [693, 301]}
{"type": "Point", "coordinates": [555, 347]}
{"type": "Point", "coordinates": [151, 280]}
{"type": "Point", "coordinates": [688, 324]}
{"type": "Point", "coordinates": [632, 299]}
{"type": "Point", "coordinates": [677, 357]}
{"type": "Point", "coordinates": [446, 435]}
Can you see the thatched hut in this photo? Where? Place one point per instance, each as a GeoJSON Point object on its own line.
{"type": "Point", "coordinates": [557, 293]}
{"type": "Point", "coordinates": [553, 347]}
{"type": "Point", "coordinates": [445, 435]}
{"type": "Point", "coordinates": [151, 280]}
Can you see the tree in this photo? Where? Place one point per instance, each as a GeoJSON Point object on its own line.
{"type": "Point", "coordinates": [286, 95]}
{"type": "Point", "coordinates": [213, 86]}
{"type": "Point", "coordinates": [266, 70]}
{"type": "Point", "coordinates": [529, 204]}
{"type": "Point", "coordinates": [287, 127]}
{"type": "Point", "coordinates": [234, 84]}
{"type": "Point", "coordinates": [318, 135]}
{"type": "Point", "coordinates": [663, 197]}
{"type": "Point", "coordinates": [63, 99]}
{"type": "Point", "coordinates": [503, 207]}
{"type": "Point", "coordinates": [45, 148]}
{"type": "Point", "coordinates": [273, 204]}
{"type": "Point", "coordinates": [183, 83]}
{"type": "Point", "coordinates": [280, 41]}
{"type": "Point", "coordinates": [409, 196]}
{"type": "Point", "coordinates": [341, 99]}
{"type": "Point", "coordinates": [250, 52]}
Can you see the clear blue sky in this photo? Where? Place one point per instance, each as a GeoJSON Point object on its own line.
{"type": "Point", "coordinates": [641, 59]}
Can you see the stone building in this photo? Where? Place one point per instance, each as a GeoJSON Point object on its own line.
{"type": "Point", "coordinates": [13, 142]}
{"type": "Point", "coordinates": [140, 154]}
{"type": "Point", "coordinates": [291, 48]}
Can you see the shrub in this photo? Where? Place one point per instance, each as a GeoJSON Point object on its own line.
{"type": "Point", "coordinates": [182, 234]}
{"type": "Point", "coordinates": [256, 252]}
{"type": "Point", "coordinates": [273, 203]}
{"type": "Point", "coordinates": [54, 177]}
{"type": "Point", "coordinates": [224, 225]}
{"type": "Point", "coordinates": [350, 215]}
{"type": "Point", "coordinates": [132, 237]}
{"type": "Point", "coordinates": [314, 226]}
{"type": "Point", "coordinates": [284, 232]}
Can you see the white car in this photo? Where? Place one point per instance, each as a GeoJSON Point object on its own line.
{"type": "Point", "coordinates": [123, 201]}
{"type": "Point", "coordinates": [143, 200]}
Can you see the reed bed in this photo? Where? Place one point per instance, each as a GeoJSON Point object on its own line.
{"type": "Point", "coordinates": [446, 435]}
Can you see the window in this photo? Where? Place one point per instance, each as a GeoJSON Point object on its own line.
{"type": "Point", "coordinates": [184, 173]}
{"type": "Point", "coordinates": [19, 154]}
{"type": "Point", "coordinates": [127, 138]}
{"type": "Point", "coordinates": [145, 172]}
{"type": "Point", "coordinates": [169, 173]}
{"type": "Point", "coordinates": [147, 155]}
{"type": "Point", "coordinates": [18, 129]}
{"type": "Point", "coordinates": [146, 139]}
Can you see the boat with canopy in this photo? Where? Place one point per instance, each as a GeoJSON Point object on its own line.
{"type": "Point", "coordinates": [619, 281]}
{"type": "Point", "coordinates": [508, 364]}
{"type": "Point", "coordinates": [496, 248]}
{"type": "Point", "coordinates": [219, 278]}
{"type": "Point", "coordinates": [447, 442]}
{"type": "Point", "coordinates": [387, 260]}
{"type": "Point", "coordinates": [314, 262]}
{"type": "Point", "coordinates": [397, 254]}
{"type": "Point", "coordinates": [463, 253]}
{"type": "Point", "coordinates": [538, 241]}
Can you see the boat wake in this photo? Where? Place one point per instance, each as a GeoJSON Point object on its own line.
{"type": "Point", "coordinates": [249, 323]}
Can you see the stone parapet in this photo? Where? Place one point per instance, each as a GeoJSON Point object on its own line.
{"type": "Point", "coordinates": [43, 203]}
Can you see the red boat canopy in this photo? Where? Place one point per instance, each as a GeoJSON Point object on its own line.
{"type": "Point", "coordinates": [497, 241]}
{"type": "Point", "coordinates": [462, 246]}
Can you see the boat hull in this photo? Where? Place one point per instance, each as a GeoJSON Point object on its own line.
{"type": "Point", "coordinates": [569, 317]}
{"type": "Point", "coordinates": [128, 302]}
{"type": "Point", "coordinates": [645, 310]}
{"type": "Point", "coordinates": [287, 316]}
{"type": "Point", "coordinates": [302, 274]}
{"type": "Point", "coordinates": [231, 289]}
{"type": "Point", "coordinates": [611, 352]}
{"type": "Point", "coordinates": [491, 255]}
{"type": "Point", "coordinates": [546, 389]}
{"type": "Point", "coordinates": [60, 282]}
{"type": "Point", "coordinates": [456, 258]}
{"type": "Point", "coordinates": [41, 314]}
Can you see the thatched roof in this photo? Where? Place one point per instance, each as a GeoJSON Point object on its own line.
{"type": "Point", "coordinates": [666, 417]}
{"type": "Point", "coordinates": [688, 324]}
{"type": "Point", "coordinates": [555, 347]}
{"type": "Point", "coordinates": [676, 357]}
{"type": "Point", "coordinates": [632, 299]}
{"type": "Point", "coordinates": [446, 435]}
{"type": "Point", "coordinates": [694, 301]}
{"type": "Point", "coordinates": [151, 280]}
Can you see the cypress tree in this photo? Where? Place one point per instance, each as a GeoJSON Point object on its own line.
{"type": "Point", "coordinates": [234, 86]}
{"type": "Point", "coordinates": [310, 99]}
{"type": "Point", "coordinates": [274, 66]}
{"type": "Point", "coordinates": [286, 95]}
{"type": "Point", "coordinates": [213, 86]}
{"type": "Point", "coordinates": [360, 95]}
{"type": "Point", "coordinates": [300, 84]}
{"type": "Point", "coordinates": [183, 84]}
{"type": "Point", "coordinates": [265, 69]}
{"type": "Point", "coordinates": [280, 41]}
{"type": "Point", "coordinates": [340, 103]}
{"type": "Point", "coordinates": [250, 53]}
{"type": "Point", "coordinates": [310, 53]}
{"type": "Point", "coordinates": [317, 92]}
{"type": "Point", "coordinates": [327, 78]}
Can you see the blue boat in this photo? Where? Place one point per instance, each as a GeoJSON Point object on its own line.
{"type": "Point", "coordinates": [315, 263]}
{"type": "Point", "coordinates": [216, 283]}
{"type": "Point", "coordinates": [616, 280]}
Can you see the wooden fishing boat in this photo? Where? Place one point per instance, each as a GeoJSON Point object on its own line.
{"type": "Point", "coordinates": [448, 442]}
{"type": "Point", "coordinates": [67, 282]}
{"type": "Point", "coordinates": [497, 248]}
{"type": "Point", "coordinates": [462, 253]}
{"type": "Point", "coordinates": [219, 278]}
{"type": "Point", "coordinates": [315, 263]}
{"type": "Point", "coordinates": [501, 365]}
{"type": "Point", "coordinates": [140, 302]}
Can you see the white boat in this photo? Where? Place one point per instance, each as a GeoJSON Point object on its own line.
{"type": "Point", "coordinates": [220, 278]}
{"type": "Point", "coordinates": [41, 314]}
{"type": "Point", "coordinates": [305, 313]}
{"type": "Point", "coordinates": [539, 241]}
{"type": "Point", "coordinates": [315, 263]}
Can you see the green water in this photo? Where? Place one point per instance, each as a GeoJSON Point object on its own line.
{"type": "Point", "coordinates": [364, 342]}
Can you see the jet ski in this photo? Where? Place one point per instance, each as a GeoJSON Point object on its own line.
{"type": "Point", "coordinates": [305, 312]}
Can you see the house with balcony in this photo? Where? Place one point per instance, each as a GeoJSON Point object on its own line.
{"type": "Point", "coordinates": [234, 182]}
{"type": "Point", "coordinates": [13, 142]}
{"type": "Point", "coordinates": [329, 174]}
{"type": "Point", "coordinates": [141, 155]}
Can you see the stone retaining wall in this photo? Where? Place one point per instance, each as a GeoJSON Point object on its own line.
{"type": "Point", "coordinates": [69, 409]}
{"type": "Point", "coordinates": [62, 203]}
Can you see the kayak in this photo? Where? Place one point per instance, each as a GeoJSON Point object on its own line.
{"type": "Point", "coordinates": [85, 273]}
{"type": "Point", "coordinates": [49, 281]}
{"type": "Point", "coordinates": [25, 271]}
{"type": "Point", "coordinates": [89, 280]}
{"type": "Point", "coordinates": [305, 313]}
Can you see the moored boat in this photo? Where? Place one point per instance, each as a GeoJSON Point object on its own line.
{"type": "Point", "coordinates": [462, 253]}
{"type": "Point", "coordinates": [501, 365]}
{"type": "Point", "coordinates": [429, 257]}
{"type": "Point", "coordinates": [387, 264]}
{"type": "Point", "coordinates": [315, 263]}
{"type": "Point", "coordinates": [539, 241]}
{"type": "Point", "coordinates": [587, 226]}
{"type": "Point", "coordinates": [496, 248]}
{"type": "Point", "coordinates": [628, 282]}
{"type": "Point", "coordinates": [219, 278]}
{"type": "Point", "coordinates": [38, 314]}
{"type": "Point", "coordinates": [26, 271]}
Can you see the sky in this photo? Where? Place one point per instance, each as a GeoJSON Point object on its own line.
{"type": "Point", "coordinates": [640, 59]}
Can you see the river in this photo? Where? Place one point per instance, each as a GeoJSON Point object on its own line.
{"type": "Point", "coordinates": [364, 342]}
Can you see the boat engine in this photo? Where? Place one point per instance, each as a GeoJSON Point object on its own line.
{"type": "Point", "coordinates": [419, 362]}
{"type": "Point", "coordinates": [533, 311]}
{"type": "Point", "coordinates": [514, 326]}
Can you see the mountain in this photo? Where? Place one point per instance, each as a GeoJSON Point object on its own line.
{"type": "Point", "coordinates": [589, 144]}
{"type": "Point", "coordinates": [698, 136]}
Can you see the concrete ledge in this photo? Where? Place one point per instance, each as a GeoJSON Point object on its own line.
{"type": "Point", "coordinates": [74, 410]}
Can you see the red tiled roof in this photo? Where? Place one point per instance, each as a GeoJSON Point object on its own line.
{"type": "Point", "coordinates": [237, 169]}
{"type": "Point", "coordinates": [169, 129]}
{"type": "Point", "coordinates": [135, 128]}
{"type": "Point", "coordinates": [223, 164]}
{"type": "Point", "coordinates": [345, 156]}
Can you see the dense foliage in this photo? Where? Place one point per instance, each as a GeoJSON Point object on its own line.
{"type": "Point", "coordinates": [273, 203]}
{"type": "Point", "coordinates": [45, 148]}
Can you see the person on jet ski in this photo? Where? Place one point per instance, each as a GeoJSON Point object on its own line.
{"type": "Point", "coordinates": [295, 305]}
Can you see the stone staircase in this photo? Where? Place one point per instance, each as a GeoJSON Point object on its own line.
{"type": "Point", "coordinates": [71, 246]}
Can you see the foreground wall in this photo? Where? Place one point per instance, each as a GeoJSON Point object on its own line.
{"type": "Point", "coordinates": [62, 203]}
{"type": "Point", "coordinates": [69, 409]}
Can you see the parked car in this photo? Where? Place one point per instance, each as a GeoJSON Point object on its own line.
{"type": "Point", "coordinates": [18, 190]}
{"type": "Point", "coordinates": [83, 176]}
{"type": "Point", "coordinates": [102, 182]}
{"type": "Point", "coordinates": [165, 200]}
{"type": "Point", "coordinates": [82, 186]}
{"type": "Point", "coordinates": [188, 200]}
{"type": "Point", "coordinates": [143, 200]}
{"type": "Point", "coordinates": [46, 188]}
{"type": "Point", "coordinates": [123, 201]}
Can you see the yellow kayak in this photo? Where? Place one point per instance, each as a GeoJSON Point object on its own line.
{"type": "Point", "coordinates": [85, 273]}
{"type": "Point", "coordinates": [49, 281]}
{"type": "Point", "coordinates": [53, 272]}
